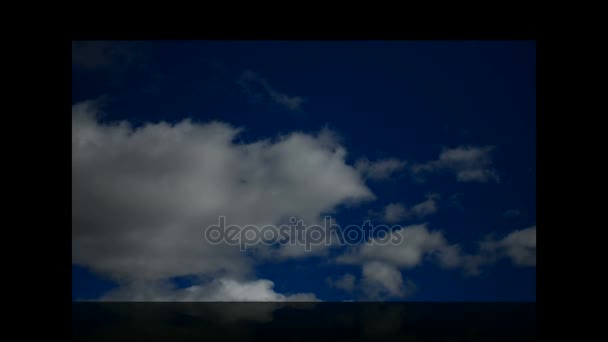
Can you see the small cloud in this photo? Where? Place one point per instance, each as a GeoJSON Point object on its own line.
{"type": "Point", "coordinates": [382, 281]}
{"type": "Point", "coordinates": [468, 163]}
{"type": "Point", "coordinates": [417, 243]}
{"type": "Point", "coordinates": [519, 246]}
{"type": "Point", "coordinates": [379, 170]}
{"type": "Point", "coordinates": [395, 212]}
{"type": "Point", "coordinates": [427, 207]}
{"type": "Point", "coordinates": [259, 90]}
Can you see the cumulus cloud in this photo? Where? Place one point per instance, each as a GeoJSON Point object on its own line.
{"type": "Point", "coordinates": [418, 242]}
{"type": "Point", "coordinates": [380, 169]}
{"type": "Point", "coordinates": [259, 90]}
{"type": "Point", "coordinates": [381, 281]}
{"type": "Point", "coordinates": [519, 246]}
{"type": "Point", "coordinates": [468, 163]}
{"type": "Point", "coordinates": [346, 282]}
{"type": "Point", "coordinates": [219, 290]}
{"type": "Point", "coordinates": [378, 276]}
{"type": "Point", "coordinates": [395, 212]}
{"type": "Point", "coordinates": [142, 197]}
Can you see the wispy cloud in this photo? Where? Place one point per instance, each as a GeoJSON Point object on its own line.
{"type": "Point", "coordinates": [468, 163]}
{"type": "Point", "coordinates": [380, 169]}
{"type": "Point", "coordinates": [259, 90]}
{"type": "Point", "coordinates": [395, 212]}
{"type": "Point", "coordinates": [519, 246]}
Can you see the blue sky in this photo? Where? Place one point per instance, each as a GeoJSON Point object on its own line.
{"type": "Point", "coordinates": [408, 102]}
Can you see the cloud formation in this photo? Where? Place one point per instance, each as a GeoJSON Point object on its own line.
{"type": "Point", "coordinates": [380, 169]}
{"type": "Point", "coordinates": [519, 246]}
{"type": "Point", "coordinates": [259, 90]}
{"type": "Point", "coordinates": [467, 163]}
{"type": "Point", "coordinates": [382, 281]}
{"type": "Point", "coordinates": [219, 290]}
{"type": "Point", "coordinates": [419, 244]}
{"type": "Point", "coordinates": [142, 197]}
{"type": "Point", "coordinates": [396, 212]}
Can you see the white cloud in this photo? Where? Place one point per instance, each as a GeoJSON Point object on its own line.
{"type": "Point", "coordinates": [260, 90]}
{"type": "Point", "coordinates": [219, 290]}
{"type": "Point", "coordinates": [381, 169]}
{"type": "Point", "coordinates": [519, 246]}
{"type": "Point", "coordinates": [346, 282]}
{"type": "Point", "coordinates": [417, 243]}
{"type": "Point", "coordinates": [142, 197]}
{"type": "Point", "coordinates": [468, 163]}
{"type": "Point", "coordinates": [427, 207]}
{"type": "Point", "coordinates": [395, 212]}
{"type": "Point", "coordinates": [381, 281]}
{"type": "Point", "coordinates": [420, 244]}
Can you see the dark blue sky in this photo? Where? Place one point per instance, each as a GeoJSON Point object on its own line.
{"type": "Point", "coordinates": [386, 99]}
